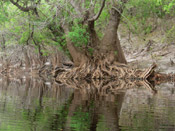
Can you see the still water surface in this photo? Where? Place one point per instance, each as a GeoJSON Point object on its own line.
{"type": "Point", "coordinates": [37, 105]}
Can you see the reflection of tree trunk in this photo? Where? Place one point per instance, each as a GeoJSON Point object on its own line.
{"type": "Point", "coordinates": [3, 41]}
{"type": "Point", "coordinates": [41, 92]}
{"type": "Point", "coordinates": [75, 102]}
{"type": "Point", "coordinates": [95, 119]}
{"type": "Point", "coordinates": [27, 88]}
{"type": "Point", "coordinates": [110, 110]}
{"type": "Point", "coordinates": [6, 89]}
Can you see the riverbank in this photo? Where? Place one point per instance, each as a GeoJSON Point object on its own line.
{"type": "Point", "coordinates": [141, 52]}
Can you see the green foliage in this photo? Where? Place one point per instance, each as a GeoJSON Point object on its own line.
{"type": "Point", "coordinates": [16, 25]}
{"type": "Point", "coordinates": [150, 8]}
{"type": "Point", "coordinates": [79, 36]}
{"type": "Point", "coordinates": [141, 15]}
{"type": "Point", "coordinates": [168, 6]}
{"type": "Point", "coordinates": [24, 37]}
{"type": "Point", "coordinates": [3, 13]}
{"type": "Point", "coordinates": [61, 42]}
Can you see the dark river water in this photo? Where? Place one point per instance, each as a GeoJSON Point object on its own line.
{"type": "Point", "coordinates": [39, 105]}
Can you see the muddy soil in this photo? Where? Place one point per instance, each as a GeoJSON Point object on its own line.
{"type": "Point", "coordinates": [142, 52]}
{"type": "Point", "coordinates": [163, 56]}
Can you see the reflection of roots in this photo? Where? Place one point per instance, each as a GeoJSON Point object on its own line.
{"type": "Point", "coordinates": [104, 87]}
{"type": "Point", "coordinates": [158, 78]}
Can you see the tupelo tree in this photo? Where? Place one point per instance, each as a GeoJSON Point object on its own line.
{"type": "Point", "coordinates": [107, 47]}
{"type": "Point", "coordinates": [75, 22]}
{"type": "Point", "coordinates": [91, 42]}
{"type": "Point", "coordinates": [87, 32]}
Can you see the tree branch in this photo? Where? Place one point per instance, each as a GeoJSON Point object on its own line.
{"type": "Point", "coordinates": [99, 13]}
{"type": "Point", "coordinates": [76, 7]}
{"type": "Point", "coordinates": [26, 9]}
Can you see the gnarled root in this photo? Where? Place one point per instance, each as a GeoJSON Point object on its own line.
{"type": "Point", "coordinates": [105, 70]}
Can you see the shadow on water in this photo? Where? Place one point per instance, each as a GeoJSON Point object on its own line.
{"type": "Point", "coordinates": [40, 105]}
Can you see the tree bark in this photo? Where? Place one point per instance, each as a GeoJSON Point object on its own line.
{"type": "Point", "coordinates": [94, 40]}
{"type": "Point", "coordinates": [110, 44]}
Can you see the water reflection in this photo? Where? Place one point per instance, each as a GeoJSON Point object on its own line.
{"type": "Point", "coordinates": [32, 104]}
{"type": "Point", "coordinates": [44, 105]}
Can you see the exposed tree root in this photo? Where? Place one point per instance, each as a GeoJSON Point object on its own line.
{"type": "Point", "coordinates": [100, 72]}
{"type": "Point", "coordinates": [120, 75]}
{"type": "Point", "coordinates": [104, 70]}
{"type": "Point", "coordinates": [104, 87]}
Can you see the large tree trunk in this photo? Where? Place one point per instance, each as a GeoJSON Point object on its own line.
{"type": "Point", "coordinates": [107, 52]}
{"type": "Point", "coordinates": [108, 49]}
{"type": "Point", "coordinates": [110, 44]}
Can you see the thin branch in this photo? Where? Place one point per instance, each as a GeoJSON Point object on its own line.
{"type": "Point", "coordinates": [99, 13]}
{"type": "Point", "coordinates": [76, 7]}
{"type": "Point", "coordinates": [25, 9]}
{"type": "Point", "coordinates": [120, 10]}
